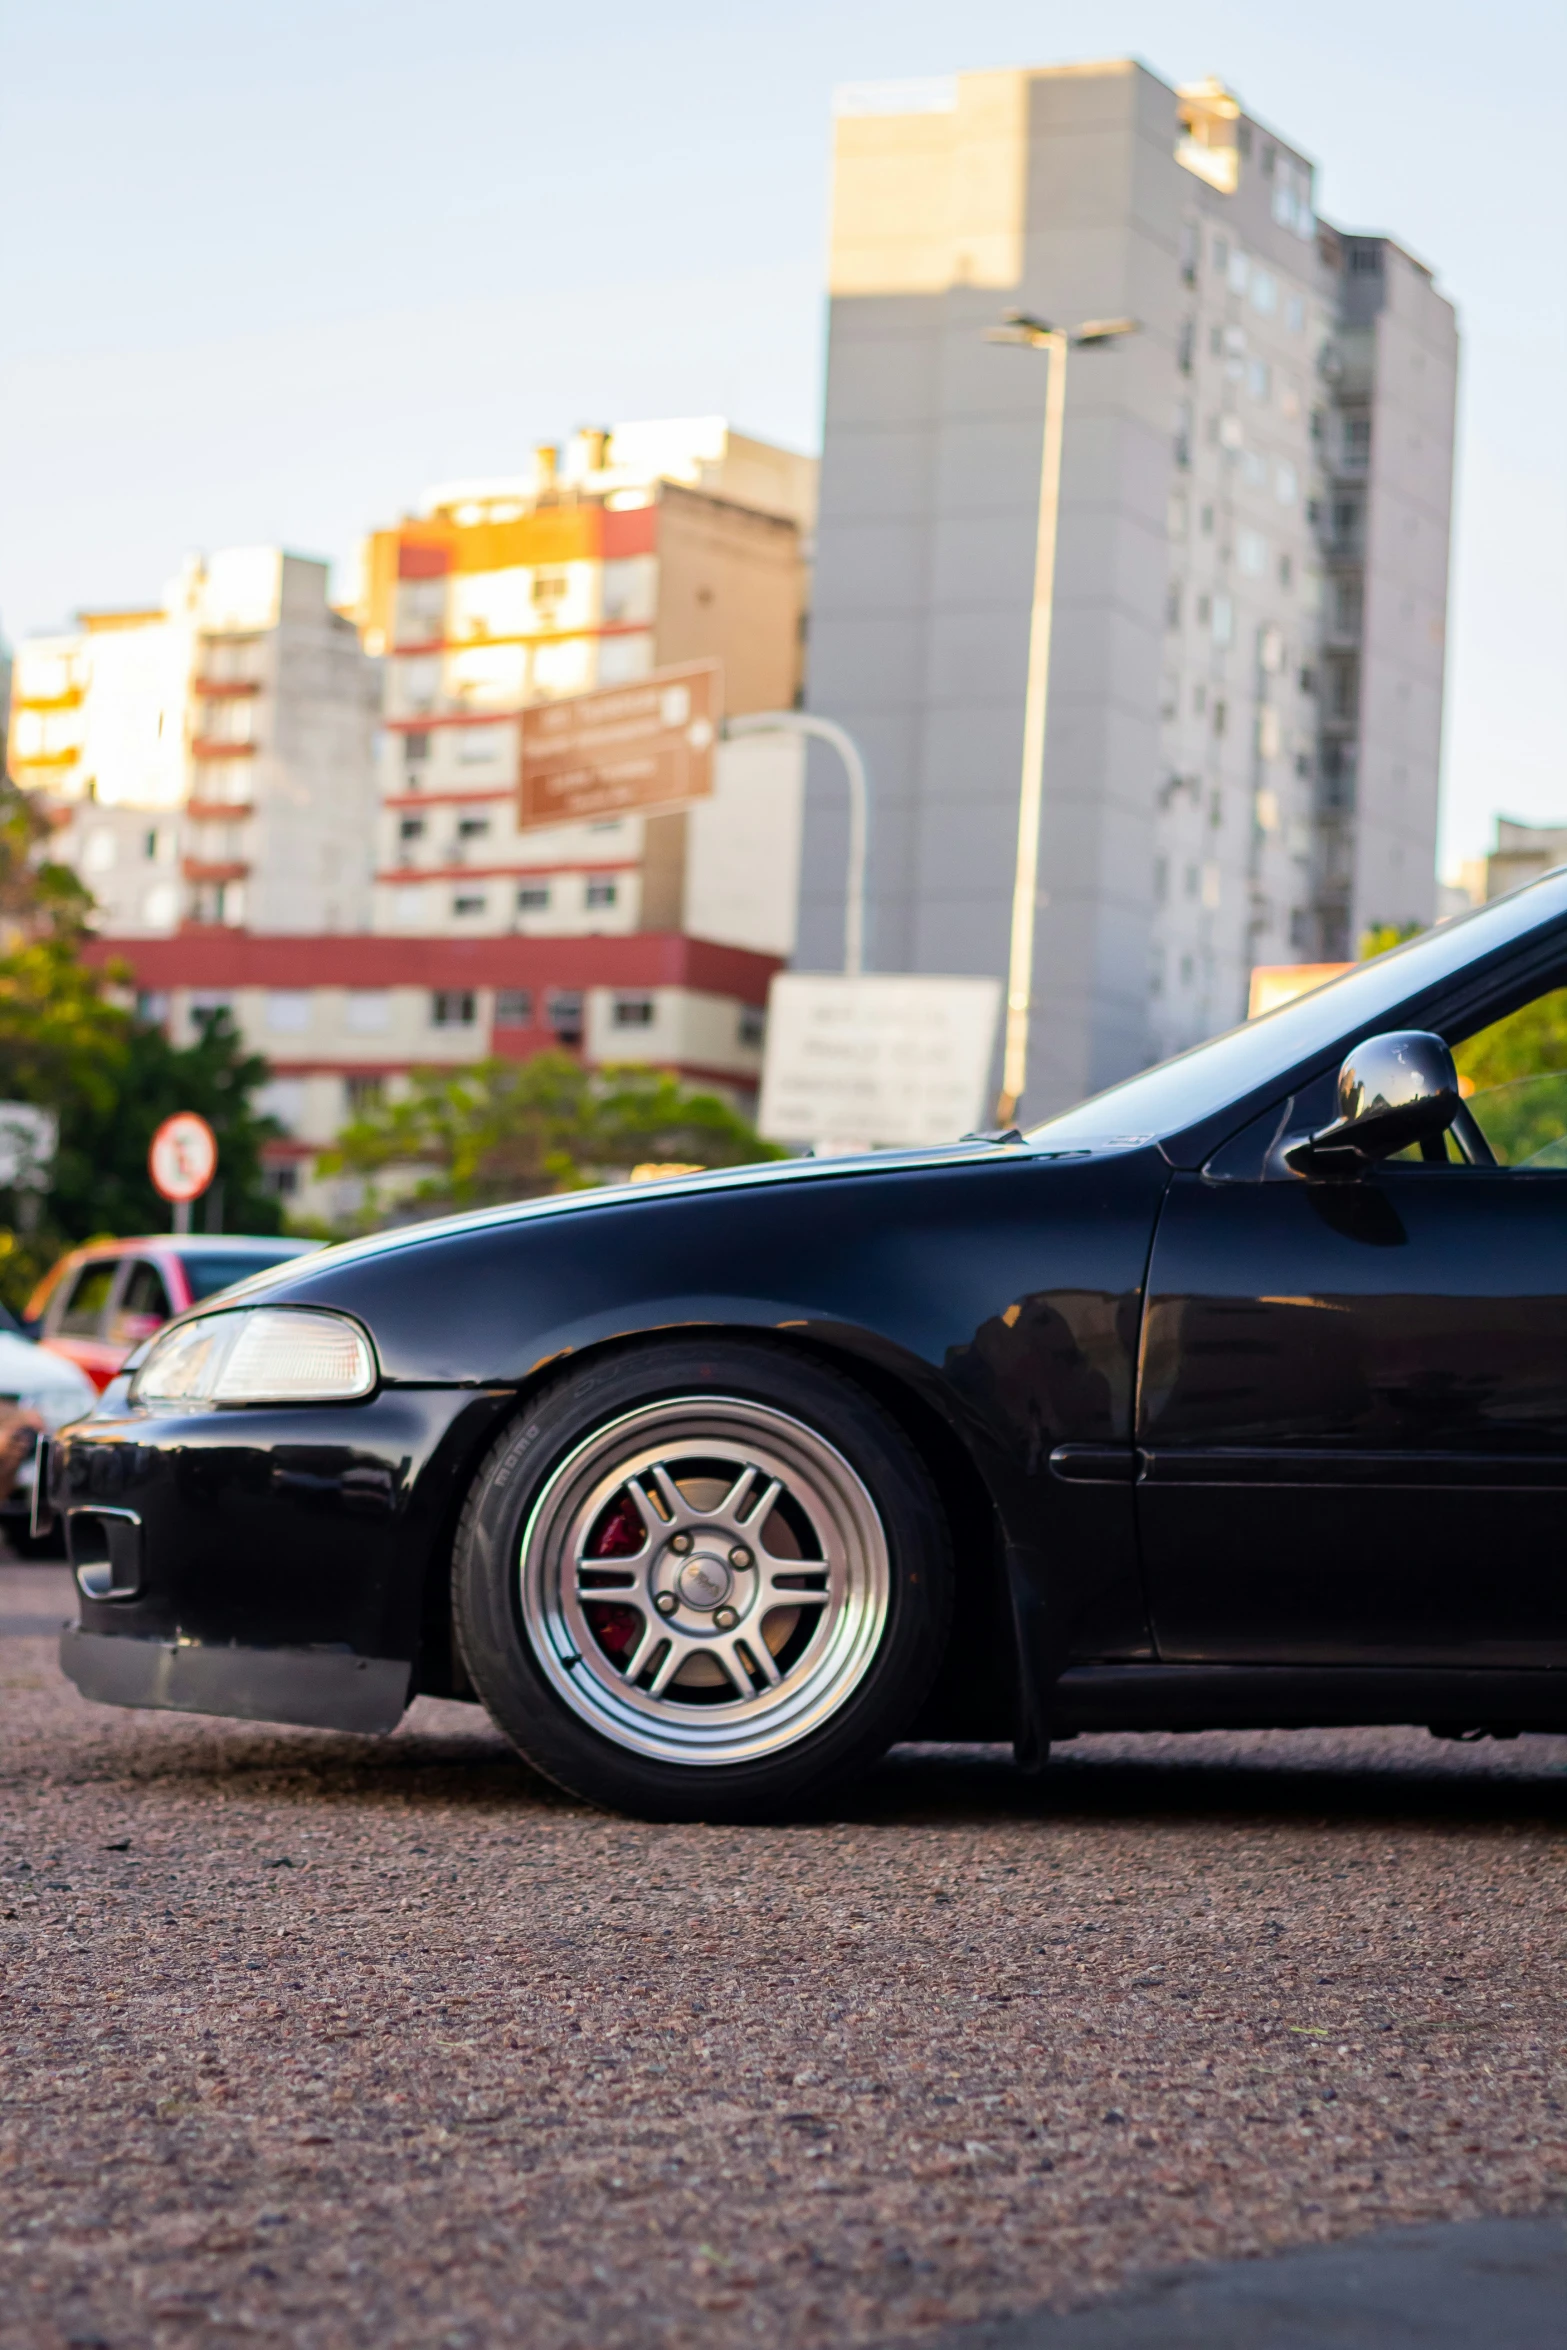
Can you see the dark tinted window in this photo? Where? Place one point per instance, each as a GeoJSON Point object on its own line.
{"type": "Point", "coordinates": [1200, 1083]}
{"type": "Point", "coordinates": [144, 1292]}
{"type": "Point", "coordinates": [83, 1313]}
{"type": "Point", "coordinates": [210, 1272]}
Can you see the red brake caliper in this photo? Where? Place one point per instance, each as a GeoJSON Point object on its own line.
{"type": "Point", "coordinates": [618, 1534]}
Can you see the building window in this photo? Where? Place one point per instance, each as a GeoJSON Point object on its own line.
{"type": "Point", "coordinates": [288, 1010]}
{"type": "Point", "coordinates": [453, 1007]}
{"type": "Point", "coordinates": [533, 897]}
{"type": "Point", "coordinates": [1221, 716]}
{"type": "Point", "coordinates": [472, 827]}
{"type": "Point", "coordinates": [601, 893]}
{"type": "Point", "coordinates": [469, 902]}
{"type": "Point", "coordinates": [1251, 552]}
{"type": "Point", "coordinates": [363, 1094]}
{"type": "Point", "coordinates": [1295, 315]}
{"type": "Point", "coordinates": [1357, 439]}
{"type": "Point", "coordinates": [280, 1182]}
{"type": "Point", "coordinates": [1172, 605]}
{"type": "Point", "coordinates": [416, 749]}
{"type": "Point", "coordinates": [563, 1012]}
{"type": "Point", "coordinates": [204, 1009]}
{"type": "Point", "coordinates": [513, 1007]}
{"type": "Point", "coordinates": [152, 1006]}
{"type": "Point", "coordinates": [411, 828]}
{"type": "Point", "coordinates": [753, 1027]}
{"type": "Point", "coordinates": [1259, 378]}
{"type": "Point", "coordinates": [367, 1011]}
{"type": "Point", "coordinates": [1365, 261]}
{"type": "Point", "coordinates": [632, 1011]}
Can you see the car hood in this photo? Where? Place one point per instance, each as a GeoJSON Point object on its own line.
{"type": "Point", "coordinates": [713, 1181]}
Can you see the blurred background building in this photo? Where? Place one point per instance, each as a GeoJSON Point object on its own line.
{"type": "Point", "coordinates": [628, 551]}
{"type": "Point", "coordinates": [210, 759]}
{"type": "Point", "coordinates": [1246, 689]}
{"type": "Point", "coordinates": [307, 818]}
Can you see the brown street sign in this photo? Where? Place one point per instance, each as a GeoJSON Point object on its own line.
{"type": "Point", "coordinates": [623, 748]}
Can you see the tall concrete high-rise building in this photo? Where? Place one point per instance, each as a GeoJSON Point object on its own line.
{"type": "Point", "coordinates": [1246, 682]}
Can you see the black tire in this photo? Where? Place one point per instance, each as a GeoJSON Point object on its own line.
{"type": "Point", "coordinates": [555, 1705]}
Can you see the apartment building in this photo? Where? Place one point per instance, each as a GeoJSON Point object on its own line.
{"type": "Point", "coordinates": [627, 551]}
{"type": "Point", "coordinates": [343, 1020]}
{"type": "Point", "coordinates": [1242, 756]}
{"type": "Point", "coordinates": [209, 760]}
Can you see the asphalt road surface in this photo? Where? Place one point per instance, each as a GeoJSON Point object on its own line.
{"type": "Point", "coordinates": [318, 2040]}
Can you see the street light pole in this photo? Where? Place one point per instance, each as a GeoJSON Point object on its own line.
{"type": "Point", "coordinates": [827, 730]}
{"type": "Point", "coordinates": [1034, 334]}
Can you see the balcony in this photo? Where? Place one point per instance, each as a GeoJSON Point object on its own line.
{"type": "Point", "coordinates": [204, 747]}
{"type": "Point", "coordinates": [219, 811]}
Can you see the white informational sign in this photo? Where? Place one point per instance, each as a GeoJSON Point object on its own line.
{"type": "Point", "coordinates": [184, 1156]}
{"type": "Point", "coordinates": [28, 1138]}
{"type": "Point", "coordinates": [876, 1063]}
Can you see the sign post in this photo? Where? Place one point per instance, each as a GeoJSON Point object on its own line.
{"type": "Point", "coordinates": [622, 750]}
{"type": "Point", "coordinates": [888, 1061]}
{"type": "Point", "coordinates": [182, 1160]}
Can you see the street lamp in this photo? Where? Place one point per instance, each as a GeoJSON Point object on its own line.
{"type": "Point", "coordinates": [1036, 334]}
{"type": "Point", "coordinates": [827, 730]}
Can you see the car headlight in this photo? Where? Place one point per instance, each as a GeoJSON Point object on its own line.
{"type": "Point", "coordinates": [272, 1354]}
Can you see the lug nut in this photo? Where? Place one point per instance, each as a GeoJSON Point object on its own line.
{"type": "Point", "coordinates": [725, 1618]}
{"type": "Point", "coordinates": [666, 1603]}
{"type": "Point", "coordinates": [739, 1556]}
{"type": "Point", "coordinates": [680, 1542]}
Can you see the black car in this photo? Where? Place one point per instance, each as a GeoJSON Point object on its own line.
{"type": "Point", "coordinates": [1237, 1396]}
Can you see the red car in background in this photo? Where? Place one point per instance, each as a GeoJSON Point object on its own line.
{"type": "Point", "coordinates": [101, 1301]}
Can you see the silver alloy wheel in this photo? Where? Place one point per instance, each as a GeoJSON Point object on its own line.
{"type": "Point", "coordinates": [704, 1580]}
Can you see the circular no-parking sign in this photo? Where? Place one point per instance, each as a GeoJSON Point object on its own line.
{"type": "Point", "coordinates": [184, 1156]}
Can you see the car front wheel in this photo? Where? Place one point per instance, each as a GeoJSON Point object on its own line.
{"type": "Point", "coordinates": [702, 1582]}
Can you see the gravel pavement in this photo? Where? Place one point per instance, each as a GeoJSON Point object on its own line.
{"type": "Point", "coordinates": [320, 2040]}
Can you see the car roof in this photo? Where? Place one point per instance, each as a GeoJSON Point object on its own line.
{"type": "Point", "coordinates": [187, 1244]}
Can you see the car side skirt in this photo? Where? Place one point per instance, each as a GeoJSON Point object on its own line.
{"type": "Point", "coordinates": [314, 1688]}
{"type": "Point", "coordinates": [1298, 1697]}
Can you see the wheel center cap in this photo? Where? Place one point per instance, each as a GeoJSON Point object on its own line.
{"type": "Point", "coordinates": [704, 1581]}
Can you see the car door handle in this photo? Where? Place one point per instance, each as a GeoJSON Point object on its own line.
{"type": "Point", "coordinates": [1096, 1464]}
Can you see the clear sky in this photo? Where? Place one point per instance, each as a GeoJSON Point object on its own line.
{"type": "Point", "coordinates": [271, 270]}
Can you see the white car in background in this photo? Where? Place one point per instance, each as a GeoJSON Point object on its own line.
{"type": "Point", "coordinates": [57, 1391]}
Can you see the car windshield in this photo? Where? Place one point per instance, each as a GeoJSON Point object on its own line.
{"type": "Point", "coordinates": [1200, 1083]}
{"type": "Point", "coordinates": [217, 1269]}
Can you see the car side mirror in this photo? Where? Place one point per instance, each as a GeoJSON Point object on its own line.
{"type": "Point", "coordinates": [1392, 1090]}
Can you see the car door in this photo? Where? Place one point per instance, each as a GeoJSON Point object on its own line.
{"type": "Point", "coordinates": [141, 1307]}
{"type": "Point", "coordinates": [1352, 1411]}
{"type": "Point", "coordinates": [77, 1325]}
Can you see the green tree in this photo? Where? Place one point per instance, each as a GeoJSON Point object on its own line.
{"type": "Point", "coordinates": [1514, 1074]}
{"type": "Point", "coordinates": [1385, 935]}
{"type": "Point", "coordinates": [69, 1046]}
{"type": "Point", "coordinates": [38, 898]}
{"type": "Point", "coordinates": [508, 1130]}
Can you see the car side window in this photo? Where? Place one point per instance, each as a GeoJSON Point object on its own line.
{"type": "Point", "coordinates": [144, 1293]}
{"type": "Point", "coordinates": [1513, 1075]}
{"type": "Point", "coordinates": [83, 1314]}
